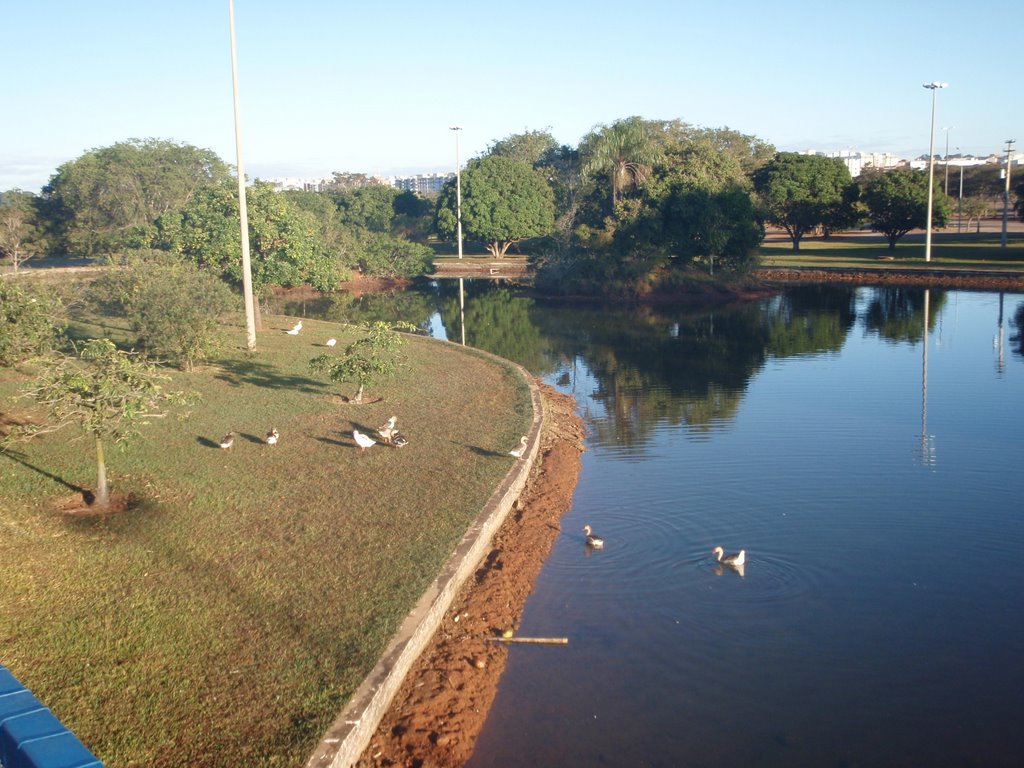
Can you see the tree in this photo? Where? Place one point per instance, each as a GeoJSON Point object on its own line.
{"type": "Point", "coordinates": [31, 322]}
{"type": "Point", "coordinates": [529, 147]}
{"type": "Point", "coordinates": [799, 192]}
{"type": "Point", "coordinates": [283, 239]}
{"type": "Point", "coordinates": [897, 202]}
{"type": "Point", "coordinates": [110, 198]}
{"type": "Point", "coordinates": [1019, 205]}
{"type": "Point", "coordinates": [174, 307]}
{"type": "Point", "coordinates": [367, 358]}
{"type": "Point", "coordinates": [625, 150]}
{"type": "Point", "coordinates": [503, 202]}
{"type": "Point", "coordinates": [710, 227]}
{"type": "Point", "coordinates": [20, 232]}
{"type": "Point", "coordinates": [370, 207]}
{"type": "Point", "coordinates": [107, 392]}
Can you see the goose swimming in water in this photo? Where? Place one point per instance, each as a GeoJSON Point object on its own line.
{"type": "Point", "coordinates": [737, 559]}
{"type": "Point", "coordinates": [593, 541]}
{"type": "Point", "coordinates": [363, 441]}
{"type": "Point", "coordinates": [518, 452]}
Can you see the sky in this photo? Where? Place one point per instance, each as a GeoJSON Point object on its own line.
{"type": "Point", "coordinates": [373, 87]}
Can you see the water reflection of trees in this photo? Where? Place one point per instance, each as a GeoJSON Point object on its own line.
{"type": "Point", "coordinates": [897, 313]}
{"type": "Point", "coordinates": [1017, 339]}
{"type": "Point", "coordinates": [639, 368]}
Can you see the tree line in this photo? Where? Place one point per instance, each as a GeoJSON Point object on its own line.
{"type": "Point", "coordinates": [637, 206]}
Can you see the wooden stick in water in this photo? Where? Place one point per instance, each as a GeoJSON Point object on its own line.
{"type": "Point", "coordinates": [535, 640]}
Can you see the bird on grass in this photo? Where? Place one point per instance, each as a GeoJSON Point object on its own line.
{"type": "Point", "coordinates": [520, 450]}
{"type": "Point", "coordinates": [295, 329]}
{"type": "Point", "coordinates": [227, 441]}
{"type": "Point", "coordinates": [331, 342]}
{"type": "Point", "coordinates": [593, 541]}
{"type": "Point", "coordinates": [363, 441]}
{"type": "Point", "coordinates": [387, 430]}
{"type": "Point", "coordinates": [398, 439]}
{"type": "Point", "coordinates": [273, 436]}
{"type": "Point", "coordinates": [736, 560]}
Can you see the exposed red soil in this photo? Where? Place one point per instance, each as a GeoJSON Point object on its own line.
{"type": "Point", "coordinates": [439, 711]}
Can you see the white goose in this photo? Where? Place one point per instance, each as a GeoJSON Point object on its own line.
{"type": "Point", "coordinates": [387, 430]}
{"type": "Point", "coordinates": [593, 541]}
{"type": "Point", "coordinates": [363, 441]}
{"type": "Point", "coordinates": [737, 559]}
{"type": "Point", "coordinates": [295, 329]}
{"type": "Point", "coordinates": [518, 452]}
{"type": "Point", "coordinates": [331, 342]}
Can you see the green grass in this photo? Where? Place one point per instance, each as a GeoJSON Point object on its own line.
{"type": "Point", "coordinates": [950, 251]}
{"type": "Point", "coordinates": [227, 616]}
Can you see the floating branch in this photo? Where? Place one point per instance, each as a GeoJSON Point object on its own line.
{"type": "Point", "coordinates": [534, 640]}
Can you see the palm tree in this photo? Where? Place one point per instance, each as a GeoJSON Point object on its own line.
{"type": "Point", "coordinates": [625, 149]}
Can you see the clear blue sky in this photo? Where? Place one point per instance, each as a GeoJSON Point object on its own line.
{"type": "Point", "coordinates": [341, 85]}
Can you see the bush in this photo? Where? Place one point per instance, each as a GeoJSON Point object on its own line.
{"type": "Point", "coordinates": [173, 306]}
{"type": "Point", "coordinates": [31, 322]}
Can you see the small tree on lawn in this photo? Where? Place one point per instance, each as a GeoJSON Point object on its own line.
{"type": "Point", "coordinates": [367, 358]}
{"type": "Point", "coordinates": [107, 392]}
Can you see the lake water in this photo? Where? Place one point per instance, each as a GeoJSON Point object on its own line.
{"type": "Point", "coordinates": [863, 445]}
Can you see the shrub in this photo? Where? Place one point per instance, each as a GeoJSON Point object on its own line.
{"type": "Point", "coordinates": [31, 322]}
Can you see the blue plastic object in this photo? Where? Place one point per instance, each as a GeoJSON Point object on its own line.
{"type": "Point", "coordinates": [31, 736]}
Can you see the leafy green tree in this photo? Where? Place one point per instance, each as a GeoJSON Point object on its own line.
{"type": "Point", "coordinates": [338, 240]}
{"type": "Point", "coordinates": [897, 202]}
{"type": "Point", "coordinates": [530, 147]}
{"type": "Point", "coordinates": [1019, 205]}
{"type": "Point", "coordinates": [709, 227]}
{"type": "Point", "coordinates": [624, 150]}
{"type": "Point", "coordinates": [799, 192]}
{"type": "Point", "coordinates": [174, 307]}
{"type": "Point", "coordinates": [387, 256]}
{"type": "Point", "coordinates": [21, 236]}
{"type": "Point", "coordinates": [31, 322]}
{"type": "Point", "coordinates": [110, 198]}
{"type": "Point", "coordinates": [366, 359]}
{"type": "Point", "coordinates": [283, 239]}
{"type": "Point", "coordinates": [504, 201]}
{"type": "Point", "coordinates": [371, 207]}
{"type": "Point", "coordinates": [110, 394]}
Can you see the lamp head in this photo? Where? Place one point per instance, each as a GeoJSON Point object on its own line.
{"type": "Point", "coordinates": [455, 128]}
{"type": "Point", "coordinates": [935, 85]}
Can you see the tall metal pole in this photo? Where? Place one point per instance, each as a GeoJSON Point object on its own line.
{"type": "Point", "coordinates": [243, 212]}
{"type": "Point", "coordinates": [458, 186]}
{"type": "Point", "coordinates": [960, 202]}
{"type": "Point", "coordinates": [933, 86]}
{"type": "Point", "coordinates": [1006, 192]}
{"type": "Point", "coordinates": [946, 159]}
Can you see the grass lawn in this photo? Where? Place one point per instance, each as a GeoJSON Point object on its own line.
{"type": "Point", "coordinates": [950, 251]}
{"type": "Point", "coordinates": [226, 617]}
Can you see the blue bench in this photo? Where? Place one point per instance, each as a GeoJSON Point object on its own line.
{"type": "Point", "coordinates": [30, 735]}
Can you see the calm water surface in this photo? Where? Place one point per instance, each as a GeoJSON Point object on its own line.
{"type": "Point", "coordinates": [863, 445]}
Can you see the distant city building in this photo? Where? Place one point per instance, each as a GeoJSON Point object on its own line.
{"type": "Point", "coordinates": [421, 183]}
{"type": "Point", "coordinates": [305, 185]}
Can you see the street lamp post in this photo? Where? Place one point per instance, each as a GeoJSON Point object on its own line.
{"type": "Point", "coordinates": [945, 187]}
{"type": "Point", "coordinates": [1006, 192]}
{"type": "Point", "coordinates": [933, 87]}
{"type": "Point", "coordinates": [243, 215]}
{"type": "Point", "coordinates": [960, 200]}
{"type": "Point", "coordinates": [458, 187]}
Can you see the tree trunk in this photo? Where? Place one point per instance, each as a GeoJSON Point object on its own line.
{"type": "Point", "coordinates": [892, 242]}
{"type": "Point", "coordinates": [358, 399]}
{"type": "Point", "coordinates": [102, 491]}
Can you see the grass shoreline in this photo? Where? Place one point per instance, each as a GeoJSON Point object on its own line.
{"type": "Point", "coordinates": [227, 616]}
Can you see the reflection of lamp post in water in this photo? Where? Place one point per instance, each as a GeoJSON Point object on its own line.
{"type": "Point", "coordinates": [927, 444]}
{"type": "Point", "coordinates": [997, 342]}
{"type": "Point", "coordinates": [462, 311]}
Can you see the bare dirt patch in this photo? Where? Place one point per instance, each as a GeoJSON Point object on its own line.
{"type": "Point", "coordinates": [440, 709]}
{"type": "Point", "coordinates": [84, 505]}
